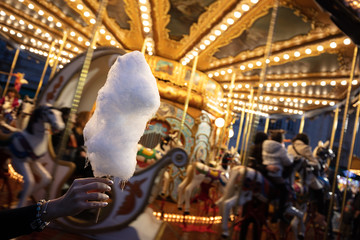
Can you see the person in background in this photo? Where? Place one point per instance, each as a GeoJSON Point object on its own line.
{"type": "Point", "coordinates": [276, 158]}
{"type": "Point", "coordinates": [255, 154]}
{"type": "Point", "coordinates": [85, 193]}
{"type": "Point", "coordinates": [82, 169]}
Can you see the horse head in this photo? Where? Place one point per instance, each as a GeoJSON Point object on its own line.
{"type": "Point", "coordinates": [46, 114]}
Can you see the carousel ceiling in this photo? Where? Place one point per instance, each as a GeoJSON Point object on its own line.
{"type": "Point", "coordinates": [308, 68]}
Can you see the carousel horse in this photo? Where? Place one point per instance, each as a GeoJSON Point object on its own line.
{"type": "Point", "coordinates": [147, 156]}
{"type": "Point", "coordinates": [253, 185]}
{"type": "Point", "coordinates": [26, 146]}
{"type": "Point", "coordinates": [198, 172]}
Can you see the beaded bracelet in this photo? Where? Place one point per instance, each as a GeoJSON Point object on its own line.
{"type": "Point", "coordinates": [37, 224]}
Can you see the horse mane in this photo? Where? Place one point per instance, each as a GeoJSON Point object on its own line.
{"type": "Point", "coordinates": [33, 119]}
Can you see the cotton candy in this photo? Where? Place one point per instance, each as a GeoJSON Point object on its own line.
{"type": "Point", "coordinates": [128, 99]}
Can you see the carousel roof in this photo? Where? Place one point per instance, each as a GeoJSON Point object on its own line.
{"type": "Point", "coordinates": [308, 68]}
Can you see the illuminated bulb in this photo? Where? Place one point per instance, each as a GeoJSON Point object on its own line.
{"type": "Point", "coordinates": [303, 84]}
{"type": "Point", "coordinates": [281, 99]}
{"type": "Point", "coordinates": [276, 108]}
{"type": "Point", "coordinates": [347, 41]}
{"type": "Point", "coordinates": [146, 29]}
{"type": "Point", "coordinates": [202, 46]}
{"type": "Point", "coordinates": [108, 37]}
{"type": "Point", "coordinates": [267, 61]}
{"type": "Point", "coordinates": [324, 102]}
{"type": "Point", "coordinates": [320, 48]}
{"type": "Point", "coordinates": [242, 67]}
{"type": "Point", "coordinates": [87, 43]}
{"type": "Point", "coordinates": [222, 72]}
{"type": "Point", "coordinates": [146, 23]}
{"type": "Point", "coordinates": [294, 84]}
{"type": "Point", "coordinates": [277, 84]}
{"type": "Point", "coordinates": [217, 32]}
{"type": "Point", "coordinates": [80, 39]}
{"type": "Point", "coordinates": [354, 82]}
{"type": "Point", "coordinates": [245, 7]}
{"type": "Point", "coordinates": [250, 65]}
{"type": "Point", "coordinates": [332, 103]}
{"type": "Point", "coordinates": [143, 8]}
{"type": "Point", "coordinates": [229, 70]}
{"type": "Point", "coordinates": [286, 84]}
{"type": "Point", "coordinates": [76, 49]}
{"type": "Point", "coordinates": [323, 83]}
{"type": "Point", "coordinates": [268, 84]}
{"type": "Point", "coordinates": [112, 42]}
{"type": "Point", "coordinates": [247, 85]}
{"type": "Point", "coordinates": [309, 101]}
{"type": "Point", "coordinates": [210, 75]}
{"type": "Point", "coordinates": [344, 82]}
{"type": "Point", "coordinates": [237, 14]}
{"type": "Point", "coordinates": [239, 86]}
{"type": "Point", "coordinates": [317, 102]}
{"type": "Point", "coordinates": [50, 18]}
{"type": "Point", "coordinates": [80, 7]}
{"type": "Point", "coordinates": [212, 37]}
{"type": "Point", "coordinates": [297, 54]}
{"type": "Point", "coordinates": [230, 21]}
{"type": "Point", "coordinates": [333, 45]}
{"type": "Point", "coordinates": [258, 63]}
{"type": "Point", "coordinates": [207, 42]}
{"type": "Point", "coordinates": [302, 100]}
{"type": "Point", "coordinates": [31, 6]}
{"type": "Point", "coordinates": [286, 56]}
{"type": "Point", "coordinates": [216, 74]}
{"type": "Point", "coordinates": [145, 16]}
{"type": "Point", "coordinates": [333, 83]}
{"type": "Point", "coordinates": [86, 14]}
{"type": "Point", "coordinates": [102, 31]}
{"type": "Point", "coordinates": [223, 27]}
{"type": "Point", "coordinates": [191, 56]}
{"type": "Point", "coordinates": [92, 21]}
{"type": "Point", "coordinates": [72, 34]}
{"type": "Point", "coordinates": [276, 59]}
{"type": "Point", "coordinates": [308, 51]}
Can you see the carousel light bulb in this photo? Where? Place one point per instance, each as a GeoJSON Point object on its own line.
{"type": "Point", "coordinates": [258, 63]}
{"type": "Point", "coordinates": [277, 84]}
{"type": "Point", "coordinates": [216, 74]}
{"type": "Point", "coordinates": [237, 14]}
{"type": "Point", "coordinates": [231, 133]}
{"type": "Point", "coordinates": [207, 42]}
{"type": "Point", "coordinates": [80, 39]}
{"type": "Point", "coordinates": [324, 102]}
{"type": "Point", "coordinates": [190, 56]}
{"type": "Point", "coordinates": [223, 27]}
{"type": "Point", "coordinates": [317, 102]}
{"type": "Point", "coordinates": [297, 54]}
{"type": "Point", "coordinates": [76, 49]}
{"type": "Point", "coordinates": [107, 37]}
{"type": "Point", "coordinates": [308, 51]}
{"type": "Point", "coordinates": [242, 67]}
{"type": "Point", "coordinates": [210, 75]}
{"type": "Point", "coordinates": [146, 29]}
{"type": "Point", "coordinates": [239, 86]}
{"type": "Point", "coordinates": [146, 23]}
{"type": "Point", "coordinates": [225, 86]}
{"type": "Point", "coordinates": [230, 21]}
{"type": "Point", "coordinates": [303, 84]}
{"type": "Point", "coordinates": [112, 42]}
{"type": "Point", "coordinates": [294, 84]}
{"type": "Point", "coordinates": [143, 9]}
{"type": "Point", "coordinates": [145, 16]}
{"type": "Point", "coordinates": [212, 37]}
{"type": "Point", "coordinates": [219, 122]}
{"type": "Point", "coordinates": [229, 70]}
{"type": "Point", "coordinates": [286, 84]}
{"type": "Point", "coordinates": [50, 18]}
{"type": "Point", "coordinates": [202, 46]}
{"type": "Point", "coordinates": [86, 14]}
{"type": "Point", "coordinates": [333, 45]}
{"type": "Point", "coordinates": [268, 84]}
{"type": "Point", "coordinates": [333, 83]}
{"type": "Point", "coordinates": [323, 83]}
{"type": "Point", "coordinates": [12, 32]}
{"type": "Point", "coordinates": [276, 59]}
{"type": "Point", "coordinates": [247, 85]}
{"type": "Point", "coordinates": [31, 6]}
{"type": "Point", "coordinates": [267, 61]}
{"type": "Point", "coordinates": [354, 82]}
{"type": "Point", "coordinates": [286, 56]}
{"type": "Point", "coordinates": [320, 48]}
{"type": "Point", "coordinates": [344, 82]}
{"type": "Point", "coordinates": [347, 41]}
{"type": "Point", "coordinates": [276, 108]}
{"type": "Point", "coordinates": [72, 33]}
{"type": "Point", "coordinates": [332, 103]}
{"type": "Point", "coordinates": [80, 7]}
{"type": "Point", "coordinates": [21, 22]}
{"type": "Point", "coordinates": [245, 7]}
{"type": "Point", "coordinates": [87, 43]}
{"type": "Point", "coordinates": [217, 32]}
{"type": "Point", "coordinates": [261, 85]}
{"type": "Point", "coordinates": [92, 21]}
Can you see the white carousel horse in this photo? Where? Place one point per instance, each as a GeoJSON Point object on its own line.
{"type": "Point", "coordinates": [26, 146]}
{"type": "Point", "coordinates": [198, 172]}
{"type": "Point", "coordinates": [253, 185]}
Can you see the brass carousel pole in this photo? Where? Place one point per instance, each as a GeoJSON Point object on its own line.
{"type": "Point", "coordinates": [341, 140]}
{"type": "Point", "coordinates": [266, 125]}
{"type": "Point", "coordinates": [44, 71]}
{"type": "Point", "coordinates": [241, 122]}
{"type": "Point", "coordinates": [259, 92]}
{"type": "Point", "coordinates": [143, 48]}
{"type": "Point", "coordinates": [80, 84]}
{"type": "Point", "coordinates": [243, 144]}
{"type": "Point", "coordinates": [302, 123]}
{"type": "Point", "coordinates": [53, 70]}
{"type": "Point", "coordinates": [227, 114]}
{"type": "Point", "coordinates": [193, 70]}
{"type": "Point", "coordinates": [355, 130]}
{"type": "Point", "coordinates": [11, 71]}
{"type": "Point", "coordinates": [336, 116]}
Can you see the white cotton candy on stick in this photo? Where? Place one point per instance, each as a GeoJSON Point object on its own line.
{"type": "Point", "coordinates": [128, 99]}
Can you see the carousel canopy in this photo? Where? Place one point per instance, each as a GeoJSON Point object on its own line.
{"type": "Point", "coordinates": [308, 67]}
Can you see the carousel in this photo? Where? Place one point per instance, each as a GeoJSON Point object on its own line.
{"type": "Point", "coordinates": [224, 70]}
